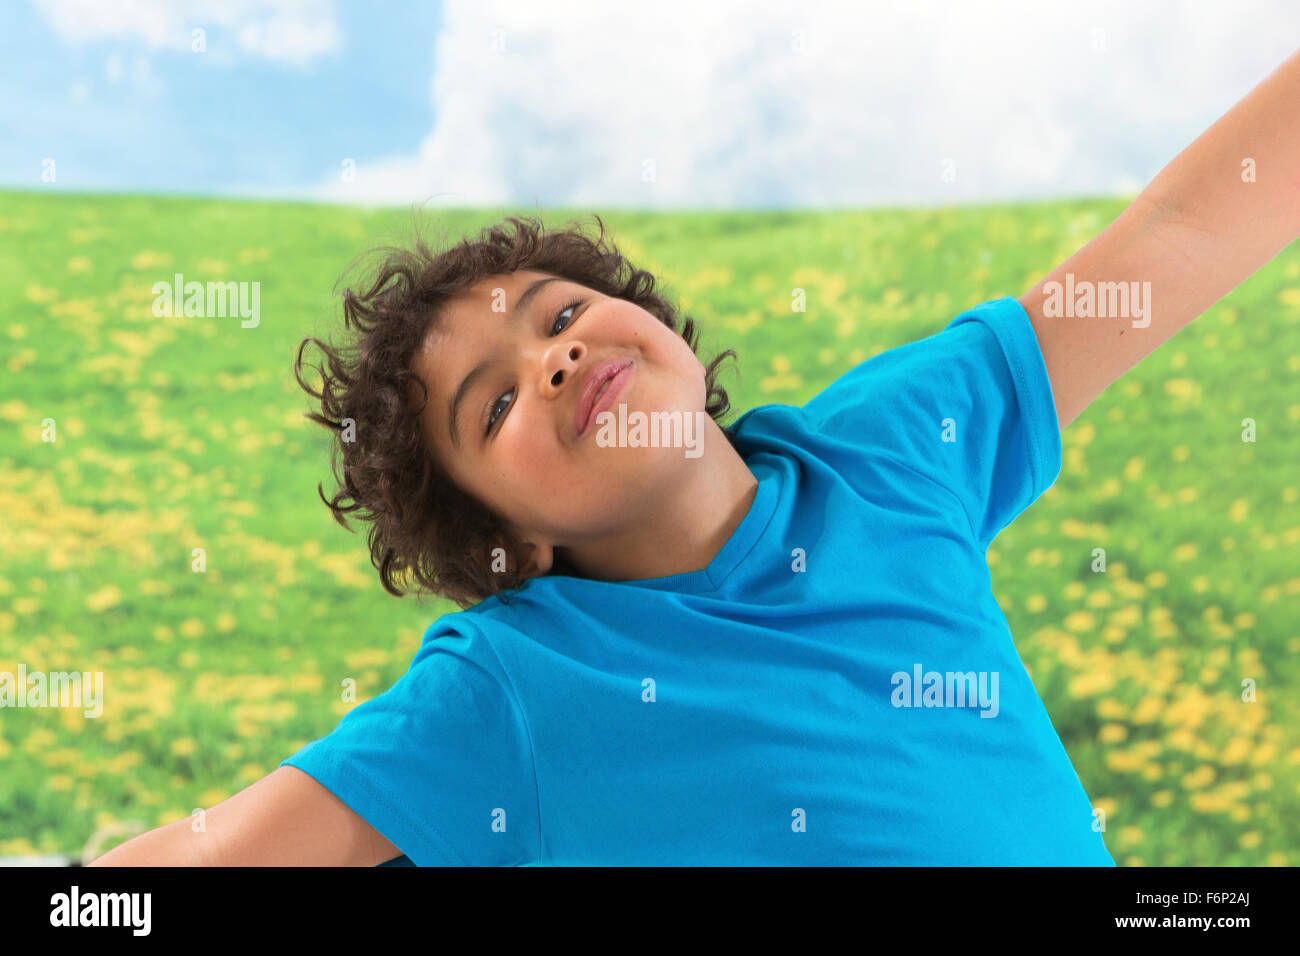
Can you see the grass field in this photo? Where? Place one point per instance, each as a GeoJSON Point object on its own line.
{"type": "Point", "coordinates": [182, 433]}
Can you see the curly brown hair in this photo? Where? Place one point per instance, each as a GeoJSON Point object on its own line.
{"type": "Point", "coordinates": [422, 525]}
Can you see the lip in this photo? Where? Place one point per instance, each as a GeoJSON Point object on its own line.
{"type": "Point", "coordinates": [586, 411]}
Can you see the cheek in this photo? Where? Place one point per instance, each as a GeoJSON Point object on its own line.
{"type": "Point", "coordinates": [674, 351]}
{"type": "Point", "coordinates": [525, 452]}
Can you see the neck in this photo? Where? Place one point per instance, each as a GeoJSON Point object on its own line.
{"type": "Point", "coordinates": [686, 529]}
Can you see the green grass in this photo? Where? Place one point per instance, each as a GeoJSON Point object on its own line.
{"type": "Point", "coordinates": [183, 433]}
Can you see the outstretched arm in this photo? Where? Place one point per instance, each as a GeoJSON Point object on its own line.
{"type": "Point", "coordinates": [1219, 212]}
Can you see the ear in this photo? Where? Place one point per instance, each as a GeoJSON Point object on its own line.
{"type": "Point", "coordinates": [541, 561]}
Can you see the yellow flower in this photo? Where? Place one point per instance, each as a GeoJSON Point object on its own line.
{"type": "Point", "coordinates": [1236, 751]}
{"type": "Point", "coordinates": [1157, 579]}
{"type": "Point", "coordinates": [1112, 733]}
{"type": "Point", "coordinates": [372, 657]}
{"type": "Point", "coordinates": [1111, 709]}
{"type": "Point", "coordinates": [1035, 603]}
{"type": "Point", "coordinates": [1264, 754]}
{"type": "Point", "coordinates": [1106, 805]}
{"type": "Point", "coordinates": [305, 682]}
{"type": "Point", "coordinates": [1162, 624]}
{"type": "Point", "coordinates": [104, 598]}
{"type": "Point", "coordinates": [148, 258]}
{"type": "Point", "coordinates": [1209, 802]}
{"type": "Point", "coordinates": [1200, 777]}
{"type": "Point", "coordinates": [183, 746]}
{"type": "Point", "coordinates": [61, 757]}
{"type": "Point", "coordinates": [170, 815]}
{"type": "Point", "coordinates": [1080, 621]}
{"type": "Point", "coordinates": [1128, 616]}
{"type": "Point", "coordinates": [1190, 709]}
{"type": "Point", "coordinates": [1148, 709]}
{"type": "Point", "coordinates": [191, 627]}
{"type": "Point", "coordinates": [1130, 834]}
{"type": "Point", "coordinates": [123, 762]}
{"type": "Point", "coordinates": [1123, 761]}
{"type": "Point", "coordinates": [40, 295]}
{"type": "Point", "coordinates": [1099, 599]}
{"type": "Point", "coordinates": [1185, 552]}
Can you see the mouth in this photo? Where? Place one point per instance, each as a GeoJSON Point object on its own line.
{"type": "Point", "coordinates": [598, 390]}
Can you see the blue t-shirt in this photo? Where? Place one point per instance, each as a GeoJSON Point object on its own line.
{"type": "Point", "coordinates": [838, 687]}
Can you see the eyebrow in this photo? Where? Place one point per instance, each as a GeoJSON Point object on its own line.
{"type": "Point", "coordinates": [468, 383]}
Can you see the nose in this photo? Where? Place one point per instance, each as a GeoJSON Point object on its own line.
{"type": "Point", "coordinates": [563, 362]}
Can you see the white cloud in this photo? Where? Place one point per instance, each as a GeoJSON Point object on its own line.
{"type": "Point", "coordinates": [818, 103]}
{"type": "Point", "coordinates": [288, 31]}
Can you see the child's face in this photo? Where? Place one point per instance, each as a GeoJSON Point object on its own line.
{"type": "Point", "coordinates": [554, 488]}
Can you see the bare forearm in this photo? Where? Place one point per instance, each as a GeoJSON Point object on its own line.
{"type": "Point", "coordinates": [1237, 187]}
{"type": "Point", "coordinates": [172, 845]}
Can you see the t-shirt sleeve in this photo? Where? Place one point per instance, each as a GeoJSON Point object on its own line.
{"type": "Point", "coordinates": [969, 408]}
{"type": "Point", "coordinates": [441, 762]}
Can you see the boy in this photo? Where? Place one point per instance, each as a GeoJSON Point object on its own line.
{"type": "Point", "coordinates": [784, 651]}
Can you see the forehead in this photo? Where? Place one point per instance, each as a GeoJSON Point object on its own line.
{"type": "Point", "coordinates": [474, 303]}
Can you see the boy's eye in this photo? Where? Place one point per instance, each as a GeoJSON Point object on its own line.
{"type": "Point", "coordinates": [492, 416]}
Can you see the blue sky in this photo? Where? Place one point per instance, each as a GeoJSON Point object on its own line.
{"type": "Point", "coordinates": [120, 112]}
{"type": "Point", "coordinates": [674, 104]}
